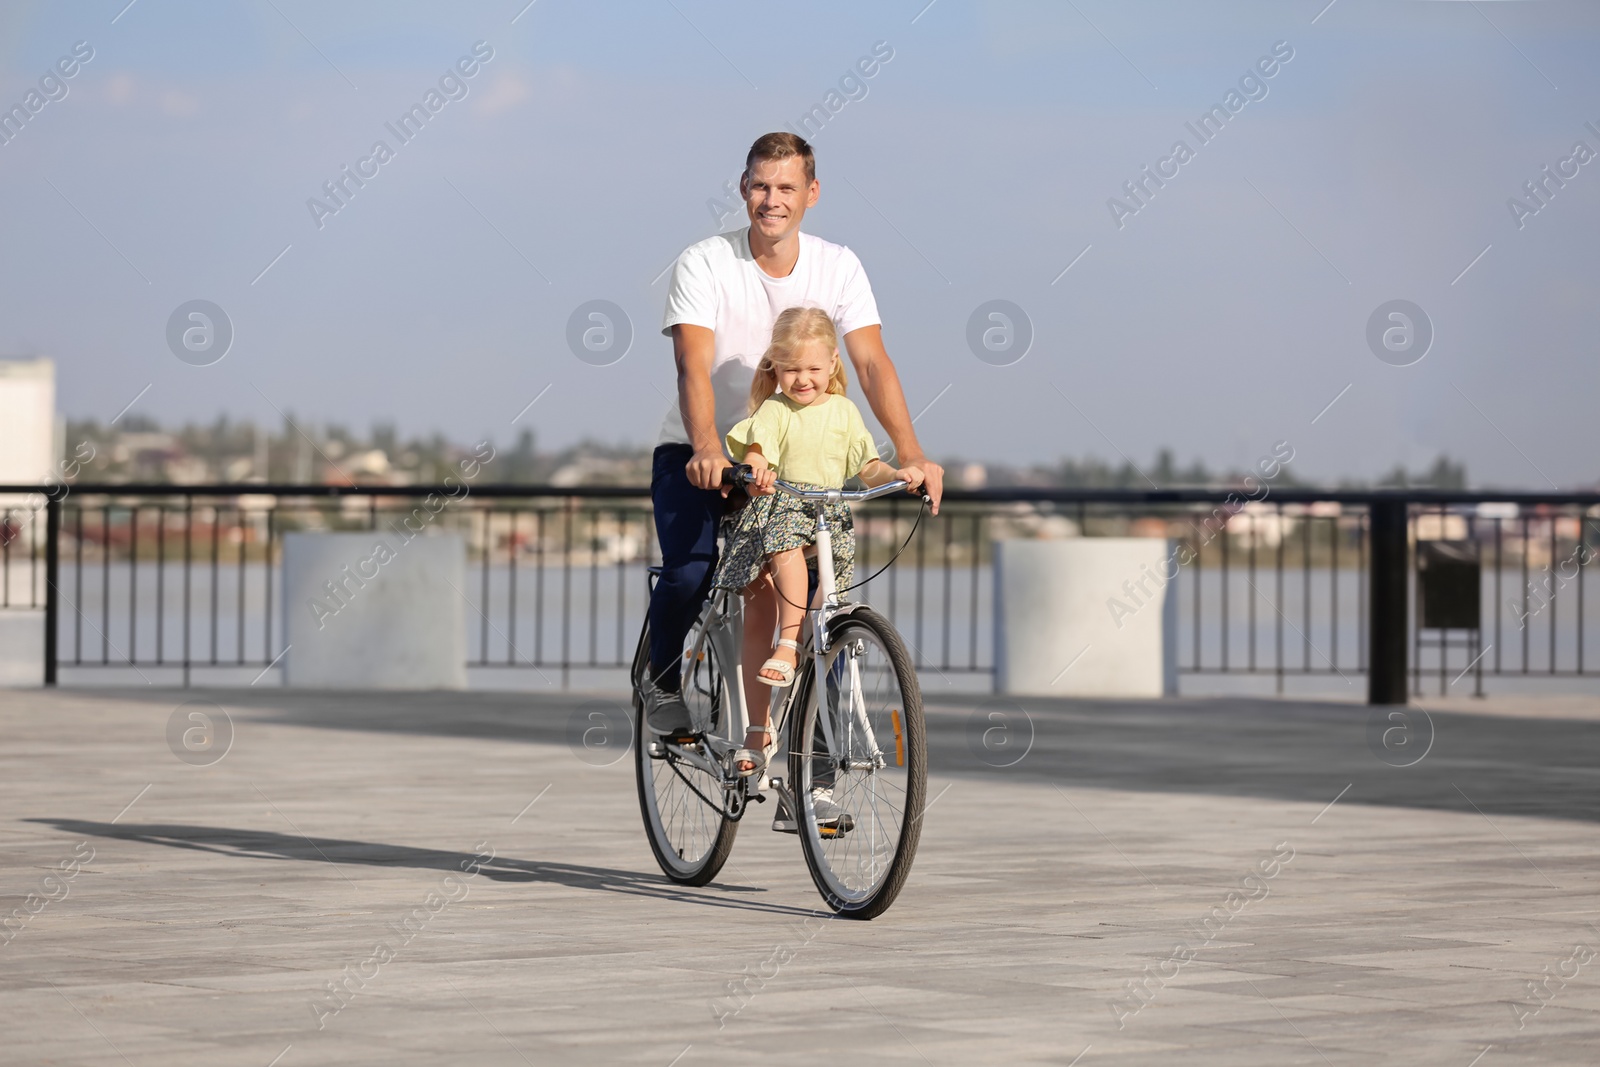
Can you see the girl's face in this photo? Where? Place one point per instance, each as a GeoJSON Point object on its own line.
{"type": "Point", "coordinates": [803, 375]}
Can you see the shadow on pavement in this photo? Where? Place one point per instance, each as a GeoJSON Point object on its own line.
{"type": "Point", "coordinates": [1280, 749]}
{"type": "Point", "coordinates": [1295, 750]}
{"type": "Point", "coordinates": [269, 845]}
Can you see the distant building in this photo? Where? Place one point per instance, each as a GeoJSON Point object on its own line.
{"type": "Point", "coordinates": [29, 449]}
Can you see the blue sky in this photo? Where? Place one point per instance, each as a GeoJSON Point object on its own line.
{"type": "Point", "coordinates": [1220, 318]}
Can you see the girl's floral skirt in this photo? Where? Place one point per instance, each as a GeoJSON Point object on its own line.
{"type": "Point", "coordinates": [777, 523]}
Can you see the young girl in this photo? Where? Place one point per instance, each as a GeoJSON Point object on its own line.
{"type": "Point", "coordinates": [803, 429]}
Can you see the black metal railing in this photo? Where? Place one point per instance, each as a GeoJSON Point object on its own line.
{"type": "Point", "coordinates": [1300, 583]}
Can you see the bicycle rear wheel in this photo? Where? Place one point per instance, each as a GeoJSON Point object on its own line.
{"type": "Point", "coordinates": [680, 801]}
{"type": "Point", "coordinates": [869, 760]}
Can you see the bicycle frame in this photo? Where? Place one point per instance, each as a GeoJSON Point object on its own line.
{"type": "Point", "coordinates": [722, 627]}
{"type": "Point", "coordinates": [719, 627]}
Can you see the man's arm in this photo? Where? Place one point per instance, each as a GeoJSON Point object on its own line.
{"type": "Point", "coordinates": [693, 349]}
{"type": "Point", "coordinates": [881, 386]}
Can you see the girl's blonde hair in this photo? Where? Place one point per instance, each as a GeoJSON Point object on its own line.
{"type": "Point", "coordinates": [794, 329]}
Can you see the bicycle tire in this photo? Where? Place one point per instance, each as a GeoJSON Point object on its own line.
{"type": "Point", "coordinates": [701, 867]}
{"type": "Point", "coordinates": [822, 858]}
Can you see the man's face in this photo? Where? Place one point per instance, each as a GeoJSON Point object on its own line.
{"type": "Point", "coordinates": [776, 195]}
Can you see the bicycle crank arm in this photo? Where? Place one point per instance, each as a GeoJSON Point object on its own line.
{"type": "Point", "coordinates": [694, 757]}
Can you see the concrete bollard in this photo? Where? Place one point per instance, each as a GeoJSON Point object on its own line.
{"type": "Point", "coordinates": [1085, 616]}
{"type": "Point", "coordinates": [373, 611]}
{"type": "Point", "coordinates": [21, 648]}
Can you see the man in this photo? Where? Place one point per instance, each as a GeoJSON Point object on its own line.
{"type": "Point", "coordinates": [725, 293]}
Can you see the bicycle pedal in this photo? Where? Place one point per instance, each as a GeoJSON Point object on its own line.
{"type": "Point", "coordinates": [838, 828]}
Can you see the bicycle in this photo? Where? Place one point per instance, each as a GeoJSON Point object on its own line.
{"type": "Point", "coordinates": [857, 764]}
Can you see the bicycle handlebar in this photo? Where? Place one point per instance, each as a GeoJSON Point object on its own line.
{"type": "Point", "coordinates": [743, 474]}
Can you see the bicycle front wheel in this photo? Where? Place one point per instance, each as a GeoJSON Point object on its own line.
{"type": "Point", "coordinates": [683, 818]}
{"type": "Point", "coordinates": [859, 769]}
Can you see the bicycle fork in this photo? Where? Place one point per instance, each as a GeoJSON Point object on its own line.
{"type": "Point", "coordinates": [845, 726]}
{"type": "Point", "coordinates": [838, 736]}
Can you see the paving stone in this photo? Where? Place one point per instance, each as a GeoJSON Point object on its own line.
{"type": "Point", "coordinates": [220, 902]}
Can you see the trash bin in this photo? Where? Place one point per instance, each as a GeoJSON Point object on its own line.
{"type": "Point", "coordinates": [1450, 597]}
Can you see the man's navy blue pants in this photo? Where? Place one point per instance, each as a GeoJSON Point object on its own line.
{"type": "Point", "coordinates": [686, 528]}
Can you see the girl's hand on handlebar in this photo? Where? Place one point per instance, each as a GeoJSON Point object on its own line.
{"type": "Point", "coordinates": [912, 476]}
{"type": "Point", "coordinates": [761, 476]}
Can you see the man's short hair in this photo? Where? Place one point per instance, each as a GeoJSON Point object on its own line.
{"type": "Point", "coordinates": [780, 146]}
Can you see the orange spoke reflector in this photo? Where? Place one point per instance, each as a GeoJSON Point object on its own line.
{"type": "Point", "coordinates": [899, 745]}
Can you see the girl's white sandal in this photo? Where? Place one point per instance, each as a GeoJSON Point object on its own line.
{"type": "Point", "coordinates": [757, 758]}
{"type": "Point", "coordinates": [785, 669]}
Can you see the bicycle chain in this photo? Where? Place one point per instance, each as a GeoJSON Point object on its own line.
{"type": "Point", "coordinates": [721, 809]}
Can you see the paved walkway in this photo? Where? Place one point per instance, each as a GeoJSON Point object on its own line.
{"type": "Point", "coordinates": [1143, 883]}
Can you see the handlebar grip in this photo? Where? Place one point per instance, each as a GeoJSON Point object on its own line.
{"type": "Point", "coordinates": [737, 474]}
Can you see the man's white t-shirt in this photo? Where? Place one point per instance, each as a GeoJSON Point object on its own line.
{"type": "Point", "coordinates": [717, 284]}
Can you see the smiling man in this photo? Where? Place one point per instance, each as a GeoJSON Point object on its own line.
{"type": "Point", "coordinates": [726, 292]}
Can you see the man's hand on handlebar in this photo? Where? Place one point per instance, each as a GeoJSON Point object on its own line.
{"type": "Point", "coordinates": [915, 475]}
{"type": "Point", "coordinates": [705, 470]}
{"type": "Point", "coordinates": [932, 481]}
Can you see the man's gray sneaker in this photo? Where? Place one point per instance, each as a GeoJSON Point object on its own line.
{"type": "Point", "coordinates": [665, 714]}
{"type": "Point", "coordinates": [784, 822]}
{"type": "Point", "coordinates": [822, 803]}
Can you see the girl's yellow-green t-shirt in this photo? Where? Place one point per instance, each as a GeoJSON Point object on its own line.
{"type": "Point", "coordinates": [823, 443]}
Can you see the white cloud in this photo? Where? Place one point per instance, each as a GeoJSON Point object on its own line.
{"type": "Point", "coordinates": [507, 91]}
{"type": "Point", "coordinates": [120, 89]}
{"type": "Point", "coordinates": [179, 105]}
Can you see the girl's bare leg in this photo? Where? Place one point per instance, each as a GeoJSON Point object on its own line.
{"type": "Point", "coordinates": [789, 581]}
{"type": "Point", "coordinates": [771, 599]}
{"type": "Point", "coordinates": [760, 617]}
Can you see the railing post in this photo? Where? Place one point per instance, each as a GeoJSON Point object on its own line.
{"type": "Point", "coordinates": [52, 585]}
{"type": "Point", "coordinates": [1387, 625]}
